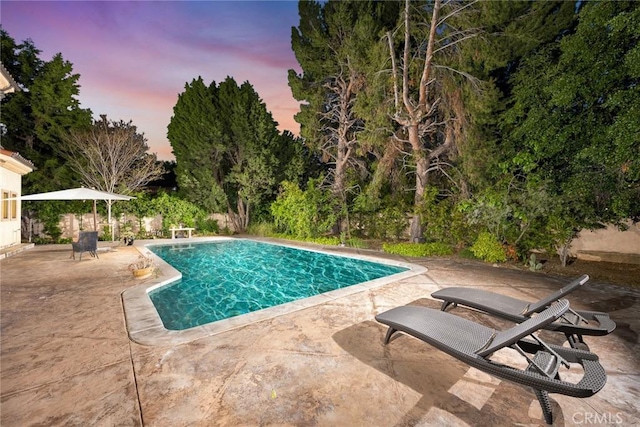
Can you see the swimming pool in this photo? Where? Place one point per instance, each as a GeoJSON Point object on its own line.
{"type": "Point", "coordinates": [229, 278]}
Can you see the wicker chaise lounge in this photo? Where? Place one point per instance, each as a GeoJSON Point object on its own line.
{"type": "Point", "coordinates": [574, 324]}
{"type": "Point", "coordinates": [474, 345]}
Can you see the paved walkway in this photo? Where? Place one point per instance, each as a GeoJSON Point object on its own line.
{"type": "Point", "coordinates": [67, 360]}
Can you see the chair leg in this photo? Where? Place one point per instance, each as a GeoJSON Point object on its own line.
{"type": "Point", "coordinates": [545, 404]}
{"type": "Point", "coordinates": [390, 332]}
{"type": "Point", "coordinates": [576, 341]}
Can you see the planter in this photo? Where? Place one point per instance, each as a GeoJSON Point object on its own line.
{"type": "Point", "coordinates": [142, 273]}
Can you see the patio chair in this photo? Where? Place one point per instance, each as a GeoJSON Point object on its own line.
{"type": "Point", "coordinates": [474, 345]}
{"type": "Point", "coordinates": [574, 324]}
{"type": "Point", "coordinates": [87, 242]}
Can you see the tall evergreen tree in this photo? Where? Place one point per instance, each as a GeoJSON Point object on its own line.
{"type": "Point", "coordinates": [38, 118]}
{"type": "Point", "coordinates": [225, 142]}
{"type": "Point", "coordinates": [419, 92]}
{"type": "Point", "coordinates": [571, 122]}
{"type": "Point", "coordinates": [331, 45]}
{"type": "Point", "coordinates": [195, 134]}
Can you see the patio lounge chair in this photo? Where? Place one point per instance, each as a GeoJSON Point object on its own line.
{"type": "Point", "coordinates": [574, 324]}
{"type": "Point", "coordinates": [87, 242]}
{"type": "Point", "coordinates": [474, 344]}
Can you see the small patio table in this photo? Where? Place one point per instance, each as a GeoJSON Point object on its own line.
{"type": "Point", "coordinates": [187, 229]}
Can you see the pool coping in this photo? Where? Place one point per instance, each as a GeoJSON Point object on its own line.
{"type": "Point", "coordinates": [145, 327]}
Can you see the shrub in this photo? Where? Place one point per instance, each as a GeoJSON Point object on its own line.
{"type": "Point", "coordinates": [262, 229]}
{"type": "Point", "coordinates": [385, 223]}
{"type": "Point", "coordinates": [533, 263]}
{"type": "Point", "coordinates": [177, 211]}
{"type": "Point", "coordinates": [418, 249]}
{"type": "Point", "coordinates": [466, 254]}
{"type": "Point", "coordinates": [393, 220]}
{"type": "Point", "coordinates": [106, 234]}
{"type": "Point", "coordinates": [325, 240]}
{"type": "Point", "coordinates": [379, 217]}
{"type": "Point", "coordinates": [488, 248]}
{"type": "Point", "coordinates": [38, 240]}
{"type": "Point", "coordinates": [356, 242]}
{"type": "Point", "coordinates": [303, 214]}
{"type": "Point", "coordinates": [207, 226]}
{"type": "Point", "coordinates": [444, 220]}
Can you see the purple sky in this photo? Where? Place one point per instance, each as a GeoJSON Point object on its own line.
{"type": "Point", "coordinates": [135, 57]}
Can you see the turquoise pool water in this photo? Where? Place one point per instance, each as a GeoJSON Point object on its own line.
{"type": "Point", "coordinates": [229, 278]}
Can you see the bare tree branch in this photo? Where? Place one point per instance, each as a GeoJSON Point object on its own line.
{"type": "Point", "coordinates": [112, 157]}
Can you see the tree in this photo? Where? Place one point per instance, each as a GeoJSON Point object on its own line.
{"type": "Point", "coordinates": [510, 31]}
{"type": "Point", "coordinates": [303, 214]}
{"type": "Point", "coordinates": [141, 206]}
{"type": "Point", "coordinates": [111, 156]}
{"type": "Point", "coordinates": [37, 119]}
{"type": "Point", "coordinates": [573, 121]}
{"type": "Point", "coordinates": [175, 210]}
{"type": "Point", "coordinates": [225, 142]}
{"type": "Point", "coordinates": [54, 104]}
{"type": "Point", "coordinates": [331, 44]}
{"type": "Point", "coordinates": [425, 104]}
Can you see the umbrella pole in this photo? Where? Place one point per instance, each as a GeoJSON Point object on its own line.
{"type": "Point", "coordinates": [95, 216]}
{"type": "Point", "coordinates": [110, 224]}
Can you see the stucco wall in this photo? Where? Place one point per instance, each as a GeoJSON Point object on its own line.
{"type": "Point", "coordinates": [609, 239]}
{"type": "Point", "coordinates": [604, 243]}
{"type": "Point", "coordinates": [10, 228]}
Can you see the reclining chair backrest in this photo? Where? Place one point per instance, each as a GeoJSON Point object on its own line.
{"type": "Point", "coordinates": [510, 336]}
{"type": "Point", "coordinates": [88, 241]}
{"type": "Point", "coordinates": [544, 302]}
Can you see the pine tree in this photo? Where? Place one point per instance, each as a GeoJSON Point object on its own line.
{"type": "Point", "coordinates": [36, 120]}
{"type": "Point", "coordinates": [331, 44]}
{"type": "Point", "coordinates": [225, 142]}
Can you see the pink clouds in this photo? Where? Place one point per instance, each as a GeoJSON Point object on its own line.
{"type": "Point", "coordinates": [134, 58]}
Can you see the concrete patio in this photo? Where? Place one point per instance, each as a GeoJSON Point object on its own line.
{"type": "Point", "coordinates": [67, 359]}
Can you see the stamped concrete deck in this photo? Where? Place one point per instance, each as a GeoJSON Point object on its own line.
{"type": "Point", "coordinates": [67, 360]}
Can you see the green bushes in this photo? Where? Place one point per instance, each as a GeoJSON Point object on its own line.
{"type": "Point", "coordinates": [444, 219]}
{"type": "Point", "coordinates": [49, 212]}
{"type": "Point", "coordinates": [388, 223]}
{"type": "Point", "coordinates": [488, 248]}
{"type": "Point", "coordinates": [207, 226]}
{"type": "Point", "coordinates": [303, 214]}
{"type": "Point", "coordinates": [379, 219]}
{"type": "Point", "coordinates": [324, 240]}
{"type": "Point", "coordinates": [262, 229]}
{"type": "Point", "coordinates": [356, 242]}
{"type": "Point", "coordinates": [418, 249]}
{"type": "Point", "coordinates": [176, 211]}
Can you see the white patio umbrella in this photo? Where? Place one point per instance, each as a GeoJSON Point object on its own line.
{"type": "Point", "coordinates": [82, 194]}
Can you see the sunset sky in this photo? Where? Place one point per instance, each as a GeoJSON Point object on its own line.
{"type": "Point", "coordinates": [135, 57]}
